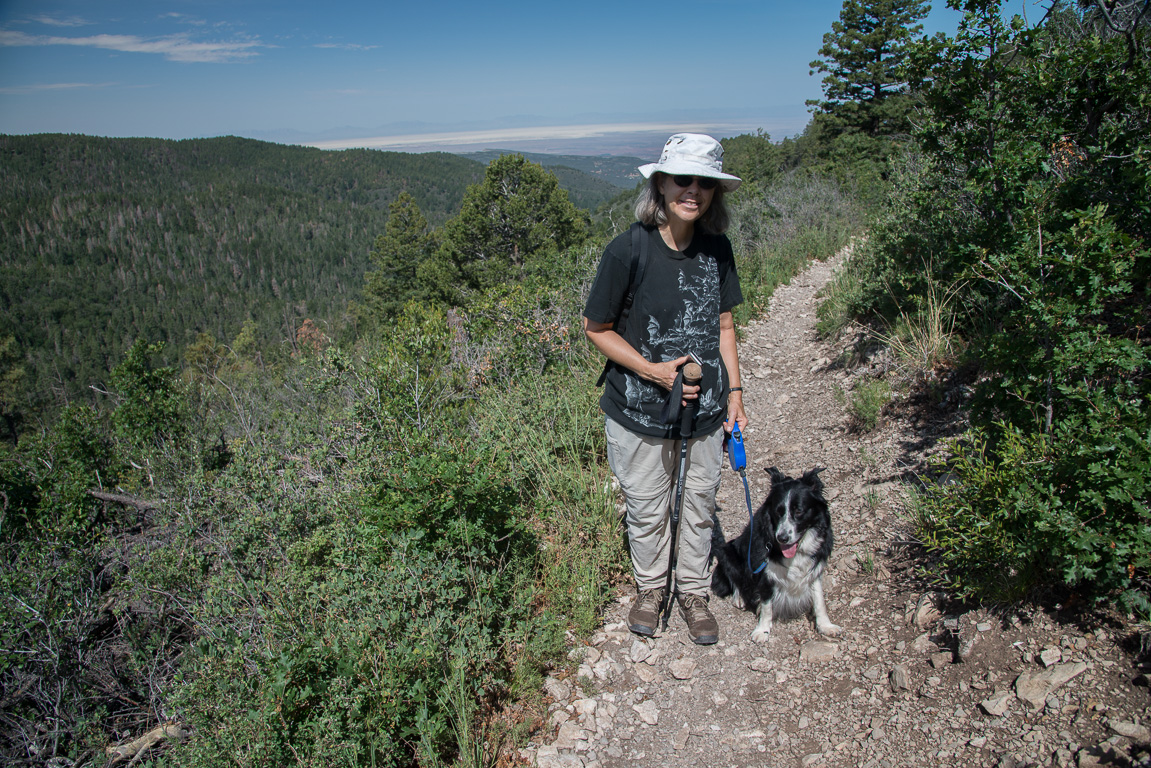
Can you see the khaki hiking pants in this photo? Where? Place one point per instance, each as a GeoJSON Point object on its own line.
{"type": "Point", "coordinates": [646, 467]}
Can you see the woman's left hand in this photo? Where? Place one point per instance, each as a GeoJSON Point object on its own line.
{"type": "Point", "coordinates": [735, 412]}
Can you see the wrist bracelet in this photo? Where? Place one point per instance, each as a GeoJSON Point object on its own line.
{"type": "Point", "coordinates": [735, 389]}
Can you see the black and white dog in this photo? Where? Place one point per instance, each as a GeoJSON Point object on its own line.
{"type": "Point", "coordinates": [790, 542]}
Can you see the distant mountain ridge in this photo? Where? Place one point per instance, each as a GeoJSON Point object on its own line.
{"type": "Point", "coordinates": [617, 170]}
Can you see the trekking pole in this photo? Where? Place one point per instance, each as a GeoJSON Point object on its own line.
{"type": "Point", "coordinates": [692, 374]}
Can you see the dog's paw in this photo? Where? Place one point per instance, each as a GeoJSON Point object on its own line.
{"type": "Point", "coordinates": [760, 635]}
{"type": "Point", "coordinates": [828, 629]}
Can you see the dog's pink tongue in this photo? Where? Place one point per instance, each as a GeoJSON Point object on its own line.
{"type": "Point", "coordinates": [790, 551]}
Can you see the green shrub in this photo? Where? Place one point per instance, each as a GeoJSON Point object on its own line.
{"type": "Point", "coordinates": [865, 403]}
{"type": "Point", "coordinates": [1036, 511]}
{"type": "Point", "coordinates": [1028, 193]}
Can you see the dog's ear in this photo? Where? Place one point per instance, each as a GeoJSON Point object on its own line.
{"type": "Point", "coordinates": [776, 475]}
{"type": "Point", "coordinates": [811, 478]}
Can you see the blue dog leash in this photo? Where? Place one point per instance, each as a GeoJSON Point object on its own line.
{"type": "Point", "coordinates": [738, 458]}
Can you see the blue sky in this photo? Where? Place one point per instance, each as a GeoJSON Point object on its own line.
{"type": "Point", "coordinates": [308, 71]}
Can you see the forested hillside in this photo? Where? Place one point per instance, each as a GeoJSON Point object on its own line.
{"type": "Point", "coordinates": [107, 240]}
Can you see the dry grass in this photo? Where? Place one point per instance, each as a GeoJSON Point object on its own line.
{"type": "Point", "coordinates": [923, 340]}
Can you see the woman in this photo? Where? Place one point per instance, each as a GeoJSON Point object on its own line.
{"type": "Point", "coordinates": [681, 308]}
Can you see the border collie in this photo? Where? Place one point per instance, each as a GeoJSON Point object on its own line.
{"type": "Point", "coordinates": [790, 543]}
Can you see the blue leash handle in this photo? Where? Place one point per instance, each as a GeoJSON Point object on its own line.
{"type": "Point", "coordinates": [737, 455]}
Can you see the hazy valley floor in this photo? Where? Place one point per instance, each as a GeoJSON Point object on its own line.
{"type": "Point", "coordinates": [909, 683]}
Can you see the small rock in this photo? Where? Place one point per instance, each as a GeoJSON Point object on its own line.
{"type": "Point", "coordinates": [983, 626]}
{"type": "Point", "coordinates": [1090, 757]}
{"type": "Point", "coordinates": [809, 761]}
{"type": "Point", "coordinates": [872, 672]}
{"type": "Point", "coordinates": [681, 737]}
{"type": "Point", "coordinates": [923, 644]}
{"type": "Point", "coordinates": [568, 734]}
{"type": "Point", "coordinates": [1034, 688]}
{"type": "Point", "coordinates": [997, 704]}
{"type": "Point", "coordinates": [899, 679]}
{"type": "Point", "coordinates": [818, 650]}
{"type": "Point", "coordinates": [639, 652]}
{"type": "Point", "coordinates": [926, 611]}
{"type": "Point", "coordinates": [648, 711]}
{"type": "Point", "coordinates": [549, 757]}
{"type": "Point", "coordinates": [966, 649]}
{"type": "Point", "coordinates": [557, 689]}
{"type": "Point", "coordinates": [603, 669]}
{"type": "Point", "coordinates": [585, 706]}
{"type": "Point", "coordinates": [718, 699]}
{"type": "Point", "coordinates": [760, 664]}
{"type": "Point", "coordinates": [646, 673]}
{"type": "Point", "coordinates": [682, 669]}
{"type": "Point", "coordinates": [941, 659]}
{"type": "Point", "coordinates": [1132, 731]}
{"type": "Point", "coordinates": [1050, 657]}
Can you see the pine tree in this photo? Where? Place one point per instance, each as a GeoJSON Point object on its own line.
{"type": "Point", "coordinates": [864, 55]}
{"type": "Point", "coordinates": [397, 255]}
{"type": "Point", "coordinates": [11, 383]}
{"type": "Point", "coordinates": [515, 218]}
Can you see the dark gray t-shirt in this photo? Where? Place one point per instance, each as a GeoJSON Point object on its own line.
{"type": "Point", "coordinates": [675, 312]}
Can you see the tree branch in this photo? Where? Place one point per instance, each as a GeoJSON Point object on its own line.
{"type": "Point", "coordinates": [128, 501]}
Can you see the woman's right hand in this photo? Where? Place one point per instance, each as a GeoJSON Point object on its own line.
{"type": "Point", "coordinates": [613, 346]}
{"type": "Point", "coordinates": [664, 375]}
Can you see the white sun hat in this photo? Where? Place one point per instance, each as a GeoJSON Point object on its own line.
{"type": "Point", "coordinates": [692, 154]}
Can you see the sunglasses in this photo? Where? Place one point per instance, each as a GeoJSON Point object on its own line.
{"type": "Point", "coordinates": [703, 181]}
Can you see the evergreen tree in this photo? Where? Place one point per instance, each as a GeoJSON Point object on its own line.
{"type": "Point", "coordinates": [11, 383]}
{"type": "Point", "coordinates": [398, 253]}
{"type": "Point", "coordinates": [509, 225]}
{"type": "Point", "coordinates": [864, 56]}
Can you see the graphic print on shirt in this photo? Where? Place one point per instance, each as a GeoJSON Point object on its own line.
{"type": "Point", "coordinates": [694, 329]}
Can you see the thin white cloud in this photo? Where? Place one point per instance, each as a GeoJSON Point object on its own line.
{"type": "Point", "coordinates": [24, 90]}
{"type": "Point", "coordinates": [347, 46]}
{"type": "Point", "coordinates": [53, 21]}
{"type": "Point", "coordinates": [184, 18]}
{"type": "Point", "coordinates": [174, 47]}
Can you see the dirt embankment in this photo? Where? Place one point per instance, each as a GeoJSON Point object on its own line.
{"type": "Point", "coordinates": [912, 681]}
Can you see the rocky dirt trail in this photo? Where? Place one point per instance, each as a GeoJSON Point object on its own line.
{"type": "Point", "coordinates": [913, 681]}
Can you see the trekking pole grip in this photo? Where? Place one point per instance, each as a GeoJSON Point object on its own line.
{"type": "Point", "coordinates": [692, 375]}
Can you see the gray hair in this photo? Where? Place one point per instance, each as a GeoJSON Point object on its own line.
{"type": "Point", "coordinates": [649, 208]}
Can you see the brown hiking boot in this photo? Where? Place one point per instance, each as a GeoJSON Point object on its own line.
{"type": "Point", "coordinates": [643, 618]}
{"type": "Point", "coordinates": [702, 627]}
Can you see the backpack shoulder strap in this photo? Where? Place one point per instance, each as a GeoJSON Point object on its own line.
{"type": "Point", "coordinates": [639, 241]}
{"type": "Point", "coordinates": [639, 247]}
